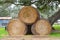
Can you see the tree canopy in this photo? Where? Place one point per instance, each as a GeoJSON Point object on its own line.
{"type": "Point", "coordinates": [47, 8]}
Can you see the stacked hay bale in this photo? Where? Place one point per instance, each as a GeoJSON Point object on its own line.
{"type": "Point", "coordinates": [16, 28]}
{"type": "Point", "coordinates": [41, 27]}
{"type": "Point", "coordinates": [28, 15]}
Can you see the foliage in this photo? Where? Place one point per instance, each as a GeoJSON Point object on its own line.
{"type": "Point", "coordinates": [3, 13]}
{"type": "Point", "coordinates": [47, 8]}
{"type": "Point", "coordinates": [25, 2]}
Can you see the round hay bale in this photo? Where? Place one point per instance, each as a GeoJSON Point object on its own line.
{"type": "Point", "coordinates": [16, 28]}
{"type": "Point", "coordinates": [28, 15]}
{"type": "Point", "coordinates": [41, 27]}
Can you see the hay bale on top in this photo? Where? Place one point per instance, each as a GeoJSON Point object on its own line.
{"type": "Point", "coordinates": [28, 15]}
{"type": "Point", "coordinates": [16, 27]}
{"type": "Point", "coordinates": [42, 27]}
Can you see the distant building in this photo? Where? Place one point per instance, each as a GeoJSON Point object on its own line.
{"type": "Point", "coordinates": [4, 21]}
{"type": "Point", "coordinates": [58, 21]}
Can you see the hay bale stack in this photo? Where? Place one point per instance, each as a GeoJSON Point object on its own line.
{"type": "Point", "coordinates": [28, 15]}
{"type": "Point", "coordinates": [42, 27]}
{"type": "Point", "coordinates": [16, 28]}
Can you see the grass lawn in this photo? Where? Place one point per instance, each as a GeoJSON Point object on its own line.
{"type": "Point", "coordinates": [3, 32]}
{"type": "Point", "coordinates": [54, 34]}
{"type": "Point", "coordinates": [56, 26]}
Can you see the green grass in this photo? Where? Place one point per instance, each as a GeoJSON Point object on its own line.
{"type": "Point", "coordinates": [55, 34]}
{"type": "Point", "coordinates": [56, 26]}
{"type": "Point", "coordinates": [3, 32]}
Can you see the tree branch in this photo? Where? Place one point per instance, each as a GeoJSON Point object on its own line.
{"type": "Point", "coordinates": [54, 17]}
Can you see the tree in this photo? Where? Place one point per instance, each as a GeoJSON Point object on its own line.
{"type": "Point", "coordinates": [3, 13]}
{"type": "Point", "coordinates": [50, 5]}
{"type": "Point", "coordinates": [46, 7]}
{"type": "Point", "coordinates": [54, 17]}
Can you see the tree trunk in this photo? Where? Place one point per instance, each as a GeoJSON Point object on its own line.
{"type": "Point", "coordinates": [54, 17]}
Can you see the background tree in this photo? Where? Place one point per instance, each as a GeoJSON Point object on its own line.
{"type": "Point", "coordinates": [48, 8]}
